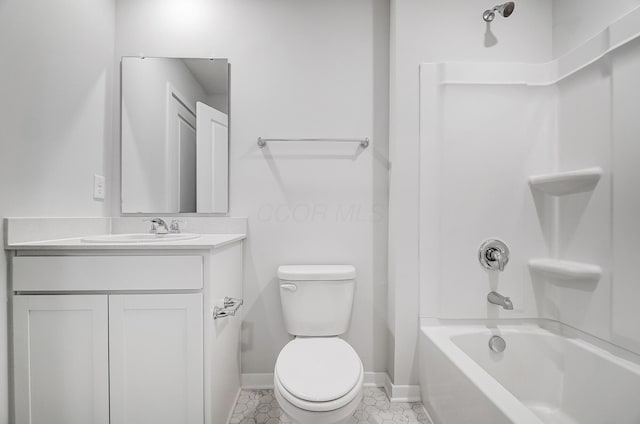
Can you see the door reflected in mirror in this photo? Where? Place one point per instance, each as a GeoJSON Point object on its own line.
{"type": "Point", "coordinates": [175, 135]}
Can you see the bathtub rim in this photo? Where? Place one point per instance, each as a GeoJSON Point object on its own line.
{"type": "Point", "coordinates": [441, 332]}
{"type": "Point", "coordinates": [621, 355]}
{"type": "Point", "coordinates": [495, 392]}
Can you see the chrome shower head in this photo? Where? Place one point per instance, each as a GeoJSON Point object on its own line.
{"type": "Point", "coordinates": [505, 10]}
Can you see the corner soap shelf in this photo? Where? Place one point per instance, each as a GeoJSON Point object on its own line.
{"type": "Point", "coordinates": [570, 182]}
{"type": "Point", "coordinates": [566, 270]}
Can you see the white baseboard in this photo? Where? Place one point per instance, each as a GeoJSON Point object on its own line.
{"type": "Point", "coordinates": [375, 379]}
{"type": "Point", "coordinates": [255, 381]}
{"type": "Point", "coordinates": [396, 393]}
{"type": "Point", "coordinates": [258, 381]}
{"type": "Point", "coordinates": [401, 393]}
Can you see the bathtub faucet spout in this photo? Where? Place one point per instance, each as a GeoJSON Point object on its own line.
{"type": "Point", "coordinates": [500, 300]}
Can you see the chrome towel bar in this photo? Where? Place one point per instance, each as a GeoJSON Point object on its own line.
{"type": "Point", "coordinates": [364, 142]}
{"type": "Point", "coordinates": [231, 306]}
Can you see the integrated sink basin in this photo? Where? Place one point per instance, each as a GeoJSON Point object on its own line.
{"type": "Point", "coordinates": [139, 238]}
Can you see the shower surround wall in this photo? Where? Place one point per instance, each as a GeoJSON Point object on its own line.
{"type": "Point", "coordinates": [437, 31]}
{"type": "Point", "coordinates": [598, 125]}
{"type": "Point", "coordinates": [485, 130]}
{"type": "Point", "coordinates": [480, 143]}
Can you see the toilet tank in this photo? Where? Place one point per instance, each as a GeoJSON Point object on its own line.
{"type": "Point", "coordinates": [316, 299]}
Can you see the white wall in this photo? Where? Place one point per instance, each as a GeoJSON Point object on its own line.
{"type": "Point", "coordinates": [298, 68]}
{"type": "Point", "coordinates": [434, 31]}
{"type": "Point", "coordinates": [55, 114]}
{"type": "Point", "coordinates": [575, 21]}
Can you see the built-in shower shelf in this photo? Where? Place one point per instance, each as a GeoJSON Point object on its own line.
{"type": "Point", "coordinates": [570, 182]}
{"type": "Point", "coordinates": [565, 270]}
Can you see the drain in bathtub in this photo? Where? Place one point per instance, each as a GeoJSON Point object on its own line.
{"type": "Point", "coordinates": [497, 344]}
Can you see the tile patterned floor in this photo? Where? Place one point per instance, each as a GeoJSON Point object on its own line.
{"type": "Point", "coordinates": [260, 406]}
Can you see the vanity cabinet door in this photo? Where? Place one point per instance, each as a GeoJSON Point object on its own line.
{"type": "Point", "coordinates": [61, 367]}
{"type": "Point", "coordinates": [156, 359]}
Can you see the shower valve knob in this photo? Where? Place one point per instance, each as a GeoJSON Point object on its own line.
{"type": "Point", "coordinates": [493, 255]}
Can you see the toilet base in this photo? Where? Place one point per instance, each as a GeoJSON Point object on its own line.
{"type": "Point", "coordinates": [302, 416]}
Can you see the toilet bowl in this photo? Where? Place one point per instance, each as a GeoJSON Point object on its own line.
{"type": "Point", "coordinates": [318, 380]}
{"type": "Point", "coordinates": [318, 377]}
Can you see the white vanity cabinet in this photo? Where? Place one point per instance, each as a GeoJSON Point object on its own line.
{"type": "Point", "coordinates": [156, 358]}
{"type": "Point", "coordinates": [61, 359]}
{"type": "Point", "coordinates": [125, 337]}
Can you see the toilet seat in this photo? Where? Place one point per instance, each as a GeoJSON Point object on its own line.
{"type": "Point", "coordinates": [318, 373]}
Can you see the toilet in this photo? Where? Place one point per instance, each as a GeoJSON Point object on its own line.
{"type": "Point", "coordinates": [318, 376]}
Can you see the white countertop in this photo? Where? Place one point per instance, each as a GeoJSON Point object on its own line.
{"type": "Point", "coordinates": [206, 241]}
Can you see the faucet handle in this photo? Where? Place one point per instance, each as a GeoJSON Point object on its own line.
{"type": "Point", "coordinates": [175, 226]}
{"type": "Point", "coordinates": [154, 225]}
{"type": "Point", "coordinates": [493, 255]}
{"type": "Point", "coordinates": [158, 226]}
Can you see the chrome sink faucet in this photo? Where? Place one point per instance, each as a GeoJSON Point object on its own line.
{"type": "Point", "coordinates": [158, 226]}
{"type": "Point", "coordinates": [496, 298]}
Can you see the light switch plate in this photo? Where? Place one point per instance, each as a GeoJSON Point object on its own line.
{"type": "Point", "coordinates": [98, 187]}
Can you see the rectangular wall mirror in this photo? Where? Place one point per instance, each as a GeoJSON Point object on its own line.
{"type": "Point", "coordinates": [175, 135]}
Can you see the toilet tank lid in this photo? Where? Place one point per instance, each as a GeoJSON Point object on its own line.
{"type": "Point", "coordinates": [316, 272]}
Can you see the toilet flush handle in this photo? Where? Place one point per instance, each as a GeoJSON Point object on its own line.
{"type": "Point", "coordinates": [231, 306]}
{"type": "Point", "coordinates": [290, 287]}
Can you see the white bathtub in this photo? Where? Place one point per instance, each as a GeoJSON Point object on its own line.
{"type": "Point", "coordinates": [546, 375]}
